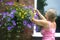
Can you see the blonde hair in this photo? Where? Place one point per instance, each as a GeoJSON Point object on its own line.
{"type": "Point", "coordinates": [51, 14]}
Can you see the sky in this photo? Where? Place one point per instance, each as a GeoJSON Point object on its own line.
{"type": "Point", "coordinates": [53, 4]}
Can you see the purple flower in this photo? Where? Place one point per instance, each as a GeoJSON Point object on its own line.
{"type": "Point", "coordinates": [8, 19]}
{"type": "Point", "coordinates": [10, 27]}
{"type": "Point", "coordinates": [13, 22]}
{"type": "Point", "coordinates": [32, 24]}
{"type": "Point", "coordinates": [9, 3]}
{"type": "Point", "coordinates": [36, 16]}
{"type": "Point", "coordinates": [5, 14]}
{"type": "Point", "coordinates": [37, 13]}
{"type": "Point", "coordinates": [25, 22]}
{"type": "Point", "coordinates": [25, 7]}
{"type": "Point", "coordinates": [30, 7]}
{"type": "Point", "coordinates": [28, 25]}
{"type": "Point", "coordinates": [12, 13]}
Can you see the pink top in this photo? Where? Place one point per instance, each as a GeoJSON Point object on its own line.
{"type": "Point", "coordinates": [48, 33]}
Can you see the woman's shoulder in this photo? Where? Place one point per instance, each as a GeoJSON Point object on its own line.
{"type": "Point", "coordinates": [51, 24]}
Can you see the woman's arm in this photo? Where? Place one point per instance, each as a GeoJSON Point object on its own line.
{"type": "Point", "coordinates": [40, 22]}
{"type": "Point", "coordinates": [41, 16]}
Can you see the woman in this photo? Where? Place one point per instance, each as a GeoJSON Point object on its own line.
{"type": "Point", "coordinates": [48, 24]}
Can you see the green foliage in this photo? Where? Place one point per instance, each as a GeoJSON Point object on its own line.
{"type": "Point", "coordinates": [12, 27]}
{"type": "Point", "coordinates": [41, 4]}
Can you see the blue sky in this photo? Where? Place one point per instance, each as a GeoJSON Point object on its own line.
{"type": "Point", "coordinates": [53, 4]}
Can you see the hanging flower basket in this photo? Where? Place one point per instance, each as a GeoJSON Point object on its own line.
{"type": "Point", "coordinates": [15, 20]}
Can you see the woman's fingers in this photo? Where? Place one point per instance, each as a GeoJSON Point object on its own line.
{"type": "Point", "coordinates": [35, 10]}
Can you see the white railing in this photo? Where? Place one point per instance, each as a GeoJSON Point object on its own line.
{"type": "Point", "coordinates": [38, 34]}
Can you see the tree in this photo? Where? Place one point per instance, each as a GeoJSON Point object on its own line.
{"type": "Point", "coordinates": [41, 4]}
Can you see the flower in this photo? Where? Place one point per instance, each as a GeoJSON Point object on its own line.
{"type": "Point", "coordinates": [12, 13]}
{"type": "Point", "coordinates": [8, 19]}
{"type": "Point", "coordinates": [35, 16]}
{"type": "Point", "coordinates": [29, 26]}
{"type": "Point", "coordinates": [37, 13]}
{"type": "Point", "coordinates": [17, 15]}
{"type": "Point", "coordinates": [5, 14]}
{"type": "Point", "coordinates": [24, 22]}
{"type": "Point", "coordinates": [25, 7]}
{"type": "Point", "coordinates": [9, 3]}
{"type": "Point", "coordinates": [9, 28]}
{"type": "Point", "coordinates": [13, 22]}
{"type": "Point", "coordinates": [30, 7]}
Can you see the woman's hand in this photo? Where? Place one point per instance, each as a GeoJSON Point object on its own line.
{"type": "Point", "coordinates": [40, 15]}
